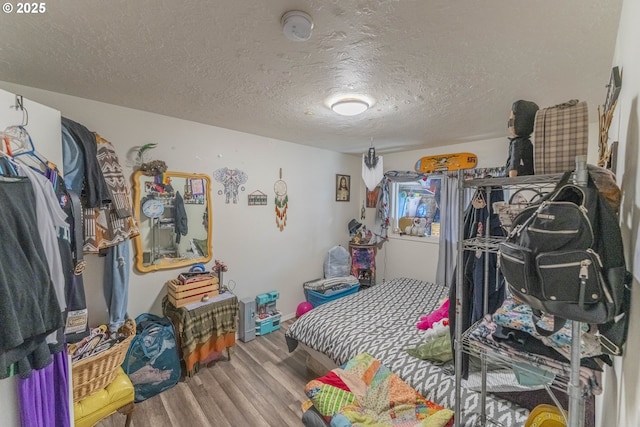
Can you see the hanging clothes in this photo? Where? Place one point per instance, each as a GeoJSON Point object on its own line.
{"type": "Point", "coordinates": [181, 220]}
{"type": "Point", "coordinates": [71, 254]}
{"type": "Point", "coordinates": [29, 309]}
{"type": "Point", "coordinates": [113, 223]}
{"type": "Point", "coordinates": [95, 193]}
{"type": "Point", "coordinates": [83, 172]}
{"type": "Point", "coordinates": [473, 267]}
{"type": "Point", "coordinates": [108, 227]}
{"type": "Point", "coordinates": [72, 162]}
{"type": "Point", "coordinates": [7, 168]}
{"type": "Point", "coordinates": [116, 283]}
{"type": "Point", "coordinates": [495, 282]}
{"type": "Point", "coordinates": [51, 220]}
{"type": "Point", "coordinates": [119, 192]}
{"type": "Point", "coordinates": [33, 291]}
{"type": "Point", "coordinates": [43, 395]}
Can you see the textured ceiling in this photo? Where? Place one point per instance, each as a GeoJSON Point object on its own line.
{"type": "Point", "coordinates": [440, 71]}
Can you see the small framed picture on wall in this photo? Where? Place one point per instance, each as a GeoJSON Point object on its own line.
{"type": "Point", "coordinates": [372, 197]}
{"type": "Point", "coordinates": [343, 188]}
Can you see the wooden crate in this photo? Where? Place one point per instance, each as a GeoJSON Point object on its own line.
{"type": "Point", "coordinates": [180, 294]}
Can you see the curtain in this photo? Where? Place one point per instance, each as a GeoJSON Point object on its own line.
{"type": "Point", "coordinates": [450, 213]}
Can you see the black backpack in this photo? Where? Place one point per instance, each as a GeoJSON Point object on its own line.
{"type": "Point", "coordinates": [564, 256]}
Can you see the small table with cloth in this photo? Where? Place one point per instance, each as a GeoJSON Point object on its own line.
{"type": "Point", "coordinates": [203, 329]}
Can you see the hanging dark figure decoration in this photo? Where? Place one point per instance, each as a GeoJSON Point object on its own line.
{"type": "Point", "coordinates": [371, 160]}
{"type": "Point", "coordinates": [372, 172]}
{"type": "Point", "coordinates": [520, 125]}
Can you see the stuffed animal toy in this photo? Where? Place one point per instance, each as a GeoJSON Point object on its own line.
{"type": "Point", "coordinates": [428, 321]}
{"type": "Point", "coordinates": [520, 125]}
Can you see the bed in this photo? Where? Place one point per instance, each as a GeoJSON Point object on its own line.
{"type": "Point", "coordinates": [381, 321]}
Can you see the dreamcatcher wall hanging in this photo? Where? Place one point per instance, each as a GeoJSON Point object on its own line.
{"type": "Point", "coordinates": [282, 202]}
{"type": "Point", "coordinates": [231, 179]}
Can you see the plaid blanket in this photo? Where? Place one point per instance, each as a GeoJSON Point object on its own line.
{"type": "Point", "coordinates": [204, 330]}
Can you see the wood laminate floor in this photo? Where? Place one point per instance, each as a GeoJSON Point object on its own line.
{"type": "Point", "coordinates": [262, 385]}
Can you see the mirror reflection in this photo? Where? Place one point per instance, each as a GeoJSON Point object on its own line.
{"type": "Point", "coordinates": [173, 211]}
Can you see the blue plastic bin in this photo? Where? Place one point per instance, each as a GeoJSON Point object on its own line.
{"type": "Point", "coordinates": [318, 298]}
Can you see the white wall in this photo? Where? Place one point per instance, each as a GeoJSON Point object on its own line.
{"type": "Point", "coordinates": [619, 406]}
{"type": "Point", "coordinates": [260, 257]}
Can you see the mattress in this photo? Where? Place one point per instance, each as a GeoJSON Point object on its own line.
{"type": "Point", "coordinates": [381, 321]}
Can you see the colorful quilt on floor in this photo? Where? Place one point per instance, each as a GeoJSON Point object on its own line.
{"type": "Point", "coordinates": [366, 393]}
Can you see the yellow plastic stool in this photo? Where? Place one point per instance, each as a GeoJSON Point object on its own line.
{"type": "Point", "coordinates": [117, 396]}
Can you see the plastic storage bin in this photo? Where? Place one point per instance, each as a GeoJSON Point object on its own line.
{"type": "Point", "coordinates": [318, 298]}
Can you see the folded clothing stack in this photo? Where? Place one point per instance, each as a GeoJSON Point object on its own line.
{"type": "Point", "coordinates": [332, 284]}
{"type": "Point", "coordinates": [320, 291]}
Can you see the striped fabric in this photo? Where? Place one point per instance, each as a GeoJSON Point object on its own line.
{"type": "Point", "coordinates": [205, 330]}
{"type": "Point", "coordinates": [112, 223]}
{"type": "Point", "coordinates": [561, 133]}
{"type": "Point", "coordinates": [327, 398]}
{"type": "Point", "coordinates": [114, 177]}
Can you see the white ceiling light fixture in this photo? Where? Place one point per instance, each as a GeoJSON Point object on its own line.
{"type": "Point", "coordinates": [350, 106]}
{"type": "Point", "coordinates": [297, 25]}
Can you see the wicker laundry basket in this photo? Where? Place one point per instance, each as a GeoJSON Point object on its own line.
{"type": "Point", "coordinates": [96, 372]}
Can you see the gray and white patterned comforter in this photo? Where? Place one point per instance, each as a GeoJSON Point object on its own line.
{"type": "Point", "coordinates": [382, 321]}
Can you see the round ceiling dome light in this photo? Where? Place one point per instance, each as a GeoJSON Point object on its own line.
{"type": "Point", "coordinates": [297, 25]}
{"type": "Point", "coordinates": [350, 107]}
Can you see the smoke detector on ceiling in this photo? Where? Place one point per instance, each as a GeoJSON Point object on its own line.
{"type": "Point", "coordinates": [297, 25]}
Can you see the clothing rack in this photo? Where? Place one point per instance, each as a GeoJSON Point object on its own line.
{"type": "Point", "coordinates": [462, 343]}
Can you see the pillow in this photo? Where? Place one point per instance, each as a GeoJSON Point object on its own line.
{"type": "Point", "coordinates": [436, 350]}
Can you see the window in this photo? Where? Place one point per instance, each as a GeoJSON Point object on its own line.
{"type": "Point", "coordinates": [415, 207]}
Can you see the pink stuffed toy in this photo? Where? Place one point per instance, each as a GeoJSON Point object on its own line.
{"type": "Point", "coordinates": [426, 322]}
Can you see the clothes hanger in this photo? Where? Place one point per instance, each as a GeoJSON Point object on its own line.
{"type": "Point", "coordinates": [19, 136]}
{"type": "Point", "coordinates": [20, 143]}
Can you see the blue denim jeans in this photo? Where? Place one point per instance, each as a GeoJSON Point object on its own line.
{"type": "Point", "coordinates": [116, 283]}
